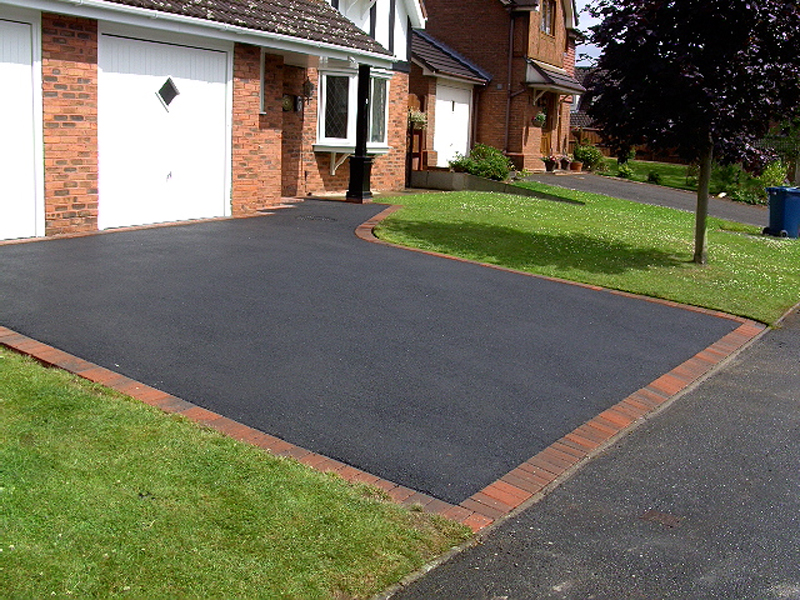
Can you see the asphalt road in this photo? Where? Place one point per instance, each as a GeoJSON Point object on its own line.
{"type": "Point", "coordinates": [655, 194]}
{"type": "Point", "coordinates": [703, 502]}
{"type": "Point", "coordinates": [435, 374]}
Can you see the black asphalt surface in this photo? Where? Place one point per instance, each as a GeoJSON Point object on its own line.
{"type": "Point", "coordinates": [655, 194]}
{"type": "Point", "coordinates": [432, 373]}
{"type": "Point", "coordinates": [701, 502]}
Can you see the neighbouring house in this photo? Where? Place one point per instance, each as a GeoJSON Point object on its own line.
{"type": "Point", "coordinates": [526, 49]}
{"type": "Point", "coordinates": [130, 112]}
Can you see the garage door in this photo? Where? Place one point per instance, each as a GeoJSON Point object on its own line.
{"type": "Point", "coordinates": [451, 132]}
{"type": "Point", "coordinates": [19, 126]}
{"type": "Point", "coordinates": [162, 132]}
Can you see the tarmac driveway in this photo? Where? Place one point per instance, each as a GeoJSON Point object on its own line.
{"type": "Point", "coordinates": [435, 374]}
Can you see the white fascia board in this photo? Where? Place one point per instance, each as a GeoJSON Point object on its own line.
{"type": "Point", "coordinates": [441, 76]}
{"type": "Point", "coordinates": [153, 19]}
{"type": "Point", "coordinates": [570, 14]}
{"type": "Point", "coordinates": [416, 14]}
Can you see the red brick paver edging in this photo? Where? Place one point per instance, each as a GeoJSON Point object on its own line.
{"type": "Point", "coordinates": [526, 483]}
{"type": "Point", "coordinates": [541, 473]}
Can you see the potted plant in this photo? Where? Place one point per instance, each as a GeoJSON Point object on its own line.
{"type": "Point", "coordinates": [417, 119]}
{"type": "Point", "coordinates": [565, 161]}
{"type": "Point", "coordinates": [575, 165]}
{"type": "Point", "coordinates": [550, 161]}
{"type": "Point", "coordinates": [539, 120]}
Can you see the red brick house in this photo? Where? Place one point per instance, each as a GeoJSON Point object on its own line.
{"type": "Point", "coordinates": [128, 112]}
{"type": "Point", "coordinates": [528, 48]}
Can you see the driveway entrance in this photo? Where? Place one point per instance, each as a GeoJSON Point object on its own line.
{"type": "Point", "coordinates": [432, 373]}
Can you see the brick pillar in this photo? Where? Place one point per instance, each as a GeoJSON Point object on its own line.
{"type": "Point", "coordinates": [256, 180]}
{"type": "Point", "coordinates": [292, 138]}
{"type": "Point", "coordinates": [69, 90]}
{"type": "Point", "coordinates": [389, 170]}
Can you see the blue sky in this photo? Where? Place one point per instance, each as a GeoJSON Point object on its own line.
{"type": "Point", "coordinates": [584, 22]}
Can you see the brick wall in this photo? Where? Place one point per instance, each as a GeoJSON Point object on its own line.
{"type": "Point", "coordinates": [546, 47]}
{"type": "Point", "coordinates": [69, 90]}
{"type": "Point", "coordinates": [292, 140]}
{"type": "Point", "coordinates": [388, 171]}
{"type": "Point", "coordinates": [272, 149]}
{"type": "Point", "coordinates": [256, 180]}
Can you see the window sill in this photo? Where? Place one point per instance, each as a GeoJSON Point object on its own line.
{"type": "Point", "coordinates": [347, 149]}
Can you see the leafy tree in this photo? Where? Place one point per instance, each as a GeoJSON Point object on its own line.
{"type": "Point", "coordinates": [703, 77]}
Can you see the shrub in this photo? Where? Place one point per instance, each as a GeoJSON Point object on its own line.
{"type": "Point", "coordinates": [753, 190]}
{"type": "Point", "coordinates": [726, 178]}
{"type": "Point", "coordinates": [654, 177]}
{"type": "Point", "coordinates": [625, 171]}
{"type": "Point", "coordinates": [746, 187]}
{"type": "Point", "coordinates": [483, 161]}
{"type": "Point", "coordinates": [589, 155]}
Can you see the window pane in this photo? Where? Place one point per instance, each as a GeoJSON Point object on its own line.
{"type": "Point", "coordinates": [377, 130]}
{"type": "Point", "coordinates": [336, 102]}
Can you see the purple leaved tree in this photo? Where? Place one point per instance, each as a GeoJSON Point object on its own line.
{"type": "Point", "coordinates": [706, 78]}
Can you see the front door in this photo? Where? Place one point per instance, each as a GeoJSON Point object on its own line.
{"type": "Point", "coordinates": [549, 144]}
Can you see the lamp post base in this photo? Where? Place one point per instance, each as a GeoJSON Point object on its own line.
{"type": "Point", "coordinates": [360, 172]}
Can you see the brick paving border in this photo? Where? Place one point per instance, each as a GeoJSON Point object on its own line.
{"type": "Point", "coordinates": [518, 488]}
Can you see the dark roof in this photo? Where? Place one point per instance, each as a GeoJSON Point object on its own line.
{"type": "Point", "coordinates": [582, 74]}
{"type": "Point", "coordinates": [443, 60]}
{"type": "Point", "coordinates": [580, 120]}
{"type": "Point", "coordinates": [310, 20]}
{"type": "Point", "coordinates": [555, 79]}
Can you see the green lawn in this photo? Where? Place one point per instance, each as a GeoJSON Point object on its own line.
{"type": "Point", "coordinates": [608, 242]}
{"type": "Point", "coordinates": [102, 497]}
{"type": "Point", "coordinates": [672, 175]}
{"type": "Point", "coordinates": [736, 183]}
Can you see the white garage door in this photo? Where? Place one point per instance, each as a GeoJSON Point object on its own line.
{"type": "Point", "coordinates": [451, 132]}
{"type": "Point", "coordinates": [19, 214]}
{"type": "Point", "coordinates": [162, 132]}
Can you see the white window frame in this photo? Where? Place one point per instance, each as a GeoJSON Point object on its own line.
{"type": "Point", "coordinates": [348, 144]}
{"type": "Point", "coordinates": [384, 143]}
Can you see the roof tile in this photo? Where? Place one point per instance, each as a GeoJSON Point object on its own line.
{"type": "Point", "coordinates": [441, 59]}
{"type": "Point", "coordinates": [309, 20]}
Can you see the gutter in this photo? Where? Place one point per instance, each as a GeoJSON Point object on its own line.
{"type": "Point", "coordinates": [144, 17]}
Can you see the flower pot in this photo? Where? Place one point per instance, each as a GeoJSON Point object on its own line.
{"type": "Point", "coordinates": [575, 165]}
{"type": "Point", "coordinates": [565, 163]}
{"type": "Point", "coordinates": [550, 165]}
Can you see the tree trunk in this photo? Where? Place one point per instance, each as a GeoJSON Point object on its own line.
{"type": "Point", "coordinates": [701, 213]}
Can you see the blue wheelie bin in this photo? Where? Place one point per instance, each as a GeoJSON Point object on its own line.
{"type": "Point", "coordinates": [784, 212]}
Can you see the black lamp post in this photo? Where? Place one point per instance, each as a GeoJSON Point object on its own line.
{"type": "Point", "coordinates": [360, 163]}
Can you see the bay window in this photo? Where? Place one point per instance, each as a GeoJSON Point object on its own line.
{"type": "Point", "coordinates": [336, 128]}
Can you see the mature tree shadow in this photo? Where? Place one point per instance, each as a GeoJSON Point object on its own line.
{"type": "Point", "coordinates": [519, 250]}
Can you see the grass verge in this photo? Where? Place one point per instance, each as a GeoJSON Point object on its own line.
{"type": "Point", "coordinates": [733, 180]}
{"type": "Point", "coordinates": [102, 496]}
{"type": "Point", "coordinates": [609, 242]}
{"type": "Point", "coordinates": [670, 174]}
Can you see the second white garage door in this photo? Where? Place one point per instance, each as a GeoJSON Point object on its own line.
{"type": "Point", "coordinates": [162, 131]}
{"type": "Point", "coordinates": [451, 130]}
